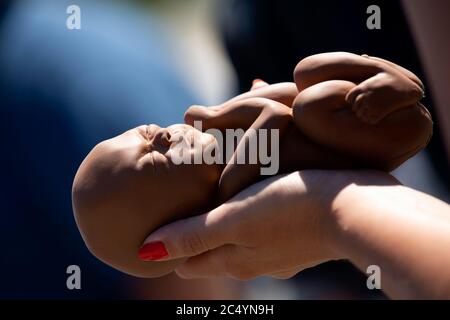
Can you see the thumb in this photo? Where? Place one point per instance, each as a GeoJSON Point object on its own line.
{"type": "Point", "coordinates": [189, 237]}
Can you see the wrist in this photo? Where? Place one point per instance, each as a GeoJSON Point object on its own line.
{"type": "Point", "coordinates": [352, 207]}
{"type": "Point", "coordinates": [322, 188]}
{"type": "Point", "coordinates": [340, 215]}
{"type": "Point", "coordinates": [332, 214]}
{"type": "Point", "coordinates": [343, 199]}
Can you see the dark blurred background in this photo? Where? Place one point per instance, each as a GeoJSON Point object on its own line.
{"type": "Point", "coordinates": [134, 62]}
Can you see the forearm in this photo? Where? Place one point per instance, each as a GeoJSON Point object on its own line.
{"type": "Point", "coordinates": [404, 232]}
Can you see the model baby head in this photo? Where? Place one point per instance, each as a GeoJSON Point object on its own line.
{"type": "Point", "coordinates": [128, 186]}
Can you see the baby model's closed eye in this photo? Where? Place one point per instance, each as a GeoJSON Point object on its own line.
{"type": "Point", "coordinates": [128, 186]}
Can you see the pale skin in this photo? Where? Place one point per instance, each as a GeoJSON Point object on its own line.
{"type": "Point", "coordinates": [315, 216]}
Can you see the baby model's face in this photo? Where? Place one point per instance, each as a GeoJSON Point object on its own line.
{"type": "Point", "coordinates": [164, 144]}
{"type": "Point", "coordinates": [130, 185]}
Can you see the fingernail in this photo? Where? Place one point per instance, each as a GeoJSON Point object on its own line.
{"type": "Point", "coordinates": [153, 251]}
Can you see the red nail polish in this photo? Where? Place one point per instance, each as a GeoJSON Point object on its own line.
{"type": "Point", "coordinates": [153, 251]}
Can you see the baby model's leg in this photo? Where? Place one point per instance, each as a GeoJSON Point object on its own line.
{"type": "Point", "coordinates": [382, 86]}
{"type": "Point", "coordinates": [323, 114]}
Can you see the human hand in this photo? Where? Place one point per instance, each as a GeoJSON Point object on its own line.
{"type": "Point", "coordinates": [276, 227]}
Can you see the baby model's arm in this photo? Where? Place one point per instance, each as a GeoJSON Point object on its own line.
{"type": "Point", "coordinates": [251, 115]}
{"type": "Point", "coordinates": [243, 116]}
{"type": "Point", "coordinates": [284, 93]}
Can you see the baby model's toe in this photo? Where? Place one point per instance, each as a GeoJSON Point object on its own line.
{"type": "Point", "coordinates": [376, 114]}
{"type": "Point", "coordinates": [352, 96]}
{"type": "Point", "coordinates": [358, 103]}
{"type": "Point", "coordinates": [370, 113]}
{"type": "Point", "coordinates": [362, 113]}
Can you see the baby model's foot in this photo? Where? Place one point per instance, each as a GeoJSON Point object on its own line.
{"type": "Point", "coordinates": [388, 91]}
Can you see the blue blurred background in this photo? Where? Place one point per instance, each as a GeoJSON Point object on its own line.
{"type": "Point", "coordinates": [134, 62]}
